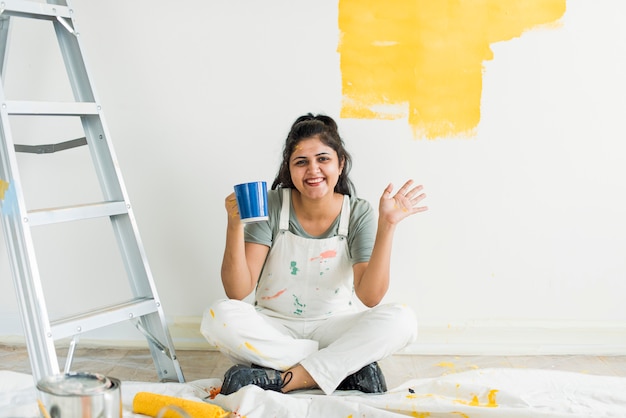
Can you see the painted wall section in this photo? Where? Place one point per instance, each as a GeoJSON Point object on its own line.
{"type": "Point", "coordinates": [422, 59]}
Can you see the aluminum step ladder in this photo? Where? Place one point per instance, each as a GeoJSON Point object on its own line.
{"type": "Point", "coordinates": [144, 307]}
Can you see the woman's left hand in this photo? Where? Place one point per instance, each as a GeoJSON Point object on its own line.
{"type": "Point", "coordinates": [404, 203]}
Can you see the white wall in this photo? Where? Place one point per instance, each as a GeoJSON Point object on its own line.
{"type": "Point", "coordinates": [523, 249]}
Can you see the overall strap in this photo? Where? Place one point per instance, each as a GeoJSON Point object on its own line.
{"type": "Point", "coordinates": [284, 212]}
{"type": "Point", "coordinates": [344, 220]}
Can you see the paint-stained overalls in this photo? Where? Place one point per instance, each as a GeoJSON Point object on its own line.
{"type": "Point", "coordinates": [305, 311]}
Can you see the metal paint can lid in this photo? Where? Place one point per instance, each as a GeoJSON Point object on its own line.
{"type": "Point", "coordinates": [72, 384]}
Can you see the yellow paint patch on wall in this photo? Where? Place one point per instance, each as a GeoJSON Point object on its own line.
{"type": "Point", "coordinates": [422, 59]}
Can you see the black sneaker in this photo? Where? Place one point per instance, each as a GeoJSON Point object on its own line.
{"type": "Point", "coordinates": [369, 379]}
{"type": "Point", "coordinates": [239, 376]}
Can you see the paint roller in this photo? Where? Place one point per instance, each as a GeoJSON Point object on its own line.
{"type": "Point", "coordinates": [147, 403]}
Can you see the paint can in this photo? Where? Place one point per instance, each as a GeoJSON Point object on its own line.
{"type": "Point", "coordinates": [85, 395]}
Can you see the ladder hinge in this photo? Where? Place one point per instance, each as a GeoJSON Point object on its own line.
{"type": "Point", "coordinates": [50, 148]}
{"type": "Point", "coordinates": [154, 340]}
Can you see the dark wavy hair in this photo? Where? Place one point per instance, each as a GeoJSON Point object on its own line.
{"type": "Point", "coordinates": [324, 128]}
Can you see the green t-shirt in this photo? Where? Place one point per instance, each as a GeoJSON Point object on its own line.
{"type": "Point", "coordinates": [361, 229]}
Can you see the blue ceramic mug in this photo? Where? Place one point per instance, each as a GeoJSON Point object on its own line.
{"type": "Point", "coordinates": [252, 201]}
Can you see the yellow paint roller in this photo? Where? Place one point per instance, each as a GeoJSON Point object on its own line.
{"type": "Point", "coordinates": [150, 404]}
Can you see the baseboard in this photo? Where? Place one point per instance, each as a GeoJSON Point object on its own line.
{"type": "Point", "coordinates": [474, 338]}
{"type": "Point", "coordinates": [481, 338]}
{"type": "Point", "coordinates": [522, 338]}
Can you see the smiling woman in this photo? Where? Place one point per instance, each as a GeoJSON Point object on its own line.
{"type": "Point", "coordinates": [314, 167]}
{"type": "Point", "coordinates": [320, 256]}
{"type": "Point", "coordinates": [324, 129]}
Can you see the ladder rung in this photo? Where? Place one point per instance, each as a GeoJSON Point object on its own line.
{"type": "Point", "coordinates": [17, 107]}
{"type": "Point", "coordinates": [100, 318]}
{"type": "Point", "coordinates": [35, 10]}
{"type": "Point", "coordinates": [76, 213]}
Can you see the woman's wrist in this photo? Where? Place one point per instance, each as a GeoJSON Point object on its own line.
{"type": "Point", "coordinates": [386, 226]}
{"type": "Point", "coordinates": [234, 224]}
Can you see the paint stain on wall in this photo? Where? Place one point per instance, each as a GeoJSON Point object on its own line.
{"type": "Point", "coordinates": [423, 59]}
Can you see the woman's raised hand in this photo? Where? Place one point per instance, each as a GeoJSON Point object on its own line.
{"type": "Point", "coordinates": [394, 208]}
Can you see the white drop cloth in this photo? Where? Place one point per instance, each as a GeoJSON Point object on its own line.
{"type": "Point", "coordinates": [503, 393]}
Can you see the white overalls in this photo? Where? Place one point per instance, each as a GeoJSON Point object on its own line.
{"type": "Point", "coordinates": [306, 312]}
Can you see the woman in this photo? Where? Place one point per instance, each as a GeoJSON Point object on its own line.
{"type": "Point", "coordinates": [321, 247]}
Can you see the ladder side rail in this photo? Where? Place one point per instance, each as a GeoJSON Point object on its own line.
{"type": "Point", "coordinates": [140, 278]}
{"type": "Point", "coordinates": [124, 226]}
{"type": "Point", "coordinates": [26, 277]}
{"type": "Point", "coordinates": [103, 156]}
{"type": "Point", "coordinates": [133, 253]}
{"type": "Point", "coordinates": [31, 304]}
{"type": "Point", "coordinates": [108, 172]}
{"type": "Point", "coordinates": [105, 161]}
{"type": "Point", "coordinates": [102, 153]}
{"type": "Point", "coordinates": [5, 22]}
{"type": "Point", "coordinates": [133, 256]}
{"type": "Point", "coordinates": [142, 282]}
{"type": "Point", "coordinates": [68, 38]}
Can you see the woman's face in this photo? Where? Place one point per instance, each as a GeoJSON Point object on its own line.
{"type": "Point", "coordinates": [314, 168]}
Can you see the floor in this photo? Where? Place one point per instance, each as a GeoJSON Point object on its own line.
{"type": "Point", "coordinates": [136, 364]}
